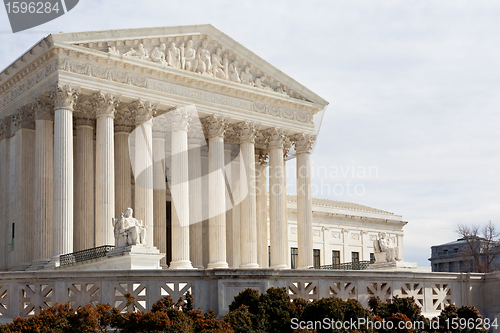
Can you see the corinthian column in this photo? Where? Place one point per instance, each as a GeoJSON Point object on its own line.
{"type": "Point", "coordinates": [143, 169]}
{"type": "Point", "coordinates": [303, 147]}
{"type": "Point", "coordinates": [105, 105]}
{"type": "Point", "coordinates": [44, 181]}
{"type": "Point", "coordinates": [159, 195]}
{"type": "Point", "coordinates": [195, 140]}
{"type": "Point", "coordinates": [215, 127]}
{"type": "Point", "coordinates": [248, 227]}
{"type": "Point", "coordinates": [64, 100]}
{"type": "Point", "coordinates": [179, 188]}
{"type": "Point", "coordinates": [123, 169]}
{"type": "Point", "coordinates": [261, 187]}
{"type": "Point", "coordinates": [277, 199]}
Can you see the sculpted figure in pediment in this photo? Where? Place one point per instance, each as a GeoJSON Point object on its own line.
{"type": "Point", "coordinates": [233, 72]}
{"type": "Point", "coordinates": [140, 52]}
{"type": "Point", "coordinates": [158, 54]}
{"type": "Point", "coordinates": [259, 83]}
{"type": "Point", "coordinates": [113, 50]}
{"type": "Point", "coordinates": [188, 57]}
{"type": "Point", "coordinates": [203, 57]}
{"type": "Point", "coordinates": [246, 77]}
{"type": "Point", "coordinates": [174, 56]}
{"type": "Point", "coordinates": [219, 64]}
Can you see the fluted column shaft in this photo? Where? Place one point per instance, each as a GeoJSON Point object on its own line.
{"type": "Point", "coordinates": [303, 147]}
{"type": "Point", "coordinates": [159, 197]}
{"type": "Point", "coordinates": [277, 200]}
{"type": "Point", "coordinates": [123, 170]}
{"type": "Point", "coordinates": [262, 235]}
{"type": "Point", "coordinates": [4, 190]}
{"type": "Point", "coordinates": [65, 97]}
{"type": "Point", "coordinates": [84, 229]}
{"type": "Point", "coordinates": [235, 232]}
{"type": "Point", "coordinates": [179, 187]}
{"type": "Point", "coordinates": [215, 128]}
{"type": "Point", "coordinates": [195, 141]}
{"type": "Point", "coordinates": [44, 190]}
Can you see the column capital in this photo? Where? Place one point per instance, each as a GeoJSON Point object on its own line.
{"type": "Point", "coordinates": [160, 127]}
{"type": "Point", "coordinates": [43, 108]}
{"type": "Point", "coordinates": [287, 145]}
{"type": "Point", "coordinates": [246, 131]}
{"type": "Point", "coordinates": [4, 127]}
{"type": "Point", "coordinates": [23, 118]}
{"type": "Point", "coordinates": [275, 137]}
{"type": "Point", "coordinates": [195, 134]}
{"type": "Point", "coordinates": [105, 104]}
{"type": "Point", "coordinates": [263, 156]}
{"type": "Point", "coordinates": [178, 119]}
{"type": "Point", "coordinates": [65, 96]}
{"type": "Point", "coordinates": [303, 142]}
{"type": "Point", "coordinates": [84, 122]}
{"type": "Point", "coordinates": [143, 110]}
{"type": "Point", "coordinates": [215, 125]}
{"type": "Point", "coordinates": [123, 129]}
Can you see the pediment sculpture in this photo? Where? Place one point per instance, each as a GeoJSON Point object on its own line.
{"type": "Point", "coordinates": [128, 230]}
{"type": "Point", "coordinates": [384, 251]}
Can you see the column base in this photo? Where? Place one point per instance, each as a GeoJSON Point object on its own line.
{"type": "Point", "coordinates": [305, 267]}
{"type": "Point", "coordinates": [181, 264]}
{"type": "Point", "coordinates": [53, 263]}
{"type": "Point", "coordinates": [280, 267]}
{"type": "Point", "coordinates": [250, 266]}
{"type": "Point", "coordinates": [220, 264]}
{"type": "Point", "coordinates": [38, 264]}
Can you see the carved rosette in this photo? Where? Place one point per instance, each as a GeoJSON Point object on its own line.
{"type": "Point", "coordinates": [65, 97]}
{"type": "Point", "coordinates": [23, 118]}
{"type": "Point", "coordinates": [195, 134]}
{"type": "Point", "coordinates": [43, 108]}
{"type": "Point", "coordinates": [214, 126]}
{"type": "Point", "coordinates": [246, 131]}
{"type": "Point", "coordinates": [275, 137]}
{"type": "Point", "coordinates": [143, 110]}
{"type": "Point", "coordinates": [104, 104]}
{"type": "Point", "coordinates": [304, 143]}
{"type": "Point", "coordinates": [178, 119]}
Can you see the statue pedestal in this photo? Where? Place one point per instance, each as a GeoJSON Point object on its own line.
{"type": "Point", "coordinates": [134, 257]}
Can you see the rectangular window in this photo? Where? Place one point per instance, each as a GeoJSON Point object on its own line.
{"type": "Point", "coordinates": [335, 257]}
{"type": "Point", "coordinates": [316, 258]}
{"type": "Point", "coordinates": [295, 255]}
{"type": "Point", "coordinates": [269, 255]}
{"type": "Point", "coordinates": [372, 257]}
{"type": "Point", "coordinates": [355, 256]}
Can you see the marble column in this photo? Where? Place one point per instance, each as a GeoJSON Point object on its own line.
{"type": "Point", "coordinates": [159, 195]}
{"type": "Point", "coordinates": [262, 232]}
{"type": "Point", "coordinates": [303, 147]}
{"type": "Point", "coordinates": [64, 100]}
{"type": "Point", "coordinates": [215, 128]}
{"type": "Point", "coordinates": [246, 132]}
{"type": "Point", "coordinates": [179, 188]}
{"type": "Point", "coordinates": [196, 140]}
{"type": "Point", "coordinates": [83, 227]}
{"type": "Point", "coordinates": [4, 188]}
{"type": "Point", "coordinates": [205, 192]}
{"type": "Point", "coordinates": [143, 170]}
{"type": "Point", "coordinates": [235, 212]}
{"type": "Point", "coordinates": [105, 105]}
{"type": "Point", "coordinates": [346, 240]}
{"type": "Point", "coordinates": [277, 199]}
{"type": "Point", "coordinates": [123, 170]}
{"type": "Point", "coordinates": [231, 242]}
{"type": "Point", "coordinates": [23, 126]}
{"type": "Point", "coordinates": [44, 181]}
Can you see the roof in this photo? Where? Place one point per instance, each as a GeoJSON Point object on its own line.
{"type": "Point", "coordinates": [342, 205]}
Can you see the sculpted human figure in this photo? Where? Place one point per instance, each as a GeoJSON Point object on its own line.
{"type": "Point", "coordinates": [141, 52]}
{"type": "Point", "coordinates": [384, 252]}
{"type": "Point", "coordinates": [259, 83]}
{"type": "Point", "coordinates": [113, 50]}
{"type": "Point", "coordinates": [246, 77]}
{"type": "Point", "coordinates": [128, 230]}
{"type": "Point", "coordinates": [203, 57]}
{"type": "Point", "coordinates": [233, 72]}
{"type": "Point", "coordinates": [174, 56]}
{"type": "Point", "coordinates": [158, 54]}
{"type": "Point", "coordinates": [188, 57]}
{"type": "Point", "coordinates": [218, 65]}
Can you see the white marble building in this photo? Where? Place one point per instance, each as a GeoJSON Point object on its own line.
{"type": "Point", "coordinates": [68, 105]}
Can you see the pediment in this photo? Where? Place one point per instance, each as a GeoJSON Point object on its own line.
{"type": "Point", "coordinates": [200, 49]}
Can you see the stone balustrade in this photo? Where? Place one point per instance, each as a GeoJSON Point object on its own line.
{"type": "Point", "coordinates": [25, 293]}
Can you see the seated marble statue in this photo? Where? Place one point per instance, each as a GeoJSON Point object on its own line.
{"type": "Point", "coordinates": [384, 252]}
{"type": "Point", "coordinates": [128, 230]}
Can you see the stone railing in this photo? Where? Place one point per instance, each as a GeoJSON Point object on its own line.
{"type": "Point", "coordinates": [25, 293]}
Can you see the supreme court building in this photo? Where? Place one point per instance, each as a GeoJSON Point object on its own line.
{"type": "Point", "coordinates": [68, 107]}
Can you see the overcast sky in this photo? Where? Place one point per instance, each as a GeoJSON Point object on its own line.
{"type": "Point", "coordinates": [413, 86]}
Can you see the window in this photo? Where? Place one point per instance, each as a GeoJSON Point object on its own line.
{"type": "Point", "coordinates": [335, 257]}
{"type": "Point", "coordinates": [372, 257]}
{"type": "Point", "coordinates": [355, 256]}
{"type": "Point", "coordinates": [269, 255]}
{"type": "Point", "coordinates": [316, 258]}
{"type": "Point", "coordinates": [295, 254]}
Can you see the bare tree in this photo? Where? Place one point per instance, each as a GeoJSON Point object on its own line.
{"type": "Point", "coordinates": [483, 249]}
